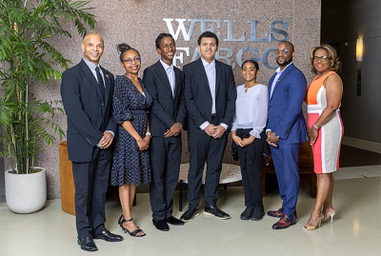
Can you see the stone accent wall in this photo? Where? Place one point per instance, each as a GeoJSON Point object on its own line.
{"type": "Point", "coordinates": [247, 28]}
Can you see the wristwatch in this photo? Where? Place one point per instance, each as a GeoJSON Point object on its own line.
{"type": "Point", "coordinates": [148, 134]}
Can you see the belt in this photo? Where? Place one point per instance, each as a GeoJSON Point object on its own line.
{"type": "Point", "coordinates": [213, 116]}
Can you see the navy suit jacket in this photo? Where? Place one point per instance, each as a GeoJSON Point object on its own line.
{"type": "Point", "coordinates": [166, 109]}
{"type": "Point", "coordinates": [199, 100]}
{"type": "Point", "coordinates": [87, 115]}
{"type": "Point", "coordinates": [285, 116]}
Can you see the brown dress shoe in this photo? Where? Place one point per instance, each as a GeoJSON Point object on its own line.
{"type": "Point", "coordinates": [285, 222]}
{"type": "Point", "coordinates": [277, 214]}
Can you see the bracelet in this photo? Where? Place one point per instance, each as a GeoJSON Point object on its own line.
{"type": "Point", "coordinates": [148, 134]}
{"type": "Point", "coordinates": [315, 126]}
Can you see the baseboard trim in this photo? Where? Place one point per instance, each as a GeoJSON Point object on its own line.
{"type": "Point", "coordinates": [362, 144]}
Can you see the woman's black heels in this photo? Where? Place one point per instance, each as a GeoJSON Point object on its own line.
{"type": "Point", "coordinates": [134, 233]}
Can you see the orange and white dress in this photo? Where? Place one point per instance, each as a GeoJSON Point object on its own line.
{"type": "Point", "coordinates": [326, 150]}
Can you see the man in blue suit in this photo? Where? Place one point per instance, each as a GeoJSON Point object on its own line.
{"type": "Point", "coordinates": [165, 82]}
{"type": "Point", "coordinates": [210, 96]}
{"type": "Point", "coordinates": [86, 92]}
{"type": "Point", "coordinates": [286, 130]}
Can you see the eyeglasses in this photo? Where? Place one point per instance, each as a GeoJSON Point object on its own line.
{"type": "Point", "coordinates": [129, 61]}
{"type": "Point", "coordinates": [283, 51]}
{"type": "Point", "coordinates": [322, 59]}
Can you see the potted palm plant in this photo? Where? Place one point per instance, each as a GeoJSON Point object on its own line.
{"type": "Point", "coordinates": [27, 58]}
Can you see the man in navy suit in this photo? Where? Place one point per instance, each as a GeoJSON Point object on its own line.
{"type": "Point", "coordinates": [286, 130]}
{"type": "Point", "coordinates": [210, 96]}
{"type": "Point", "coordinates": [86, 92]}
{"type": "Point", "coordinates": [165, 82]}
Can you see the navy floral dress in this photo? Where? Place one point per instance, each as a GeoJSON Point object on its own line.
{"type": "Point", "coordinates": [130, 165]}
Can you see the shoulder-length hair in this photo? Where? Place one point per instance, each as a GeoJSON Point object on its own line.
{"type": "Point", "coordinates": [332, 56]}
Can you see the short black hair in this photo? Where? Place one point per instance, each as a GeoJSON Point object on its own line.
{"type": "Point", "coordinates": [160, 37]}
{"type": "Point", "coordinates": [291, 45]}
{"type": "Point", "coordinates": [254, 62]}
{"type": "Point", "coordinates": [207, 34]}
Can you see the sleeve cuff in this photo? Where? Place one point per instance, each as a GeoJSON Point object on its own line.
{"type": "Point", "coordinates": [113, 134]}
{"type": "Point", "coordinates": [204, 125]}
{"type": "Point", "coordinates": [224, 125]}
{"type": "Point", "coordinates": [255, 134]}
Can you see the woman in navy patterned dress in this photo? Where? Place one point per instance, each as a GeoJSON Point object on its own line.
{"type": "Point", "coordinates": [131, 164]}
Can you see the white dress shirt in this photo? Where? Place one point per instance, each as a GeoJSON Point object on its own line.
{"type": "Point", "coordinates": [251, 109]}
{"type": "Point", "coordinates": [210, 69]}
{"type": "Point", "coordinates": [170, 74]}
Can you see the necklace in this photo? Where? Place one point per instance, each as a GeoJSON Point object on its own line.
{"type": "Point", "coordinates": [247, 87]}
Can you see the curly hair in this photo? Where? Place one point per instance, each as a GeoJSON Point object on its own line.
{"type": "Point", "coordinates": [122, 48]}
{"type": "Point", "coordinates": [332, 56]}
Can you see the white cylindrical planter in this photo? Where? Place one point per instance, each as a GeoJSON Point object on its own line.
{"type": "Point", "coordinates": [26, 193]}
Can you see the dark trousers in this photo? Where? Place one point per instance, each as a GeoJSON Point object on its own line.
{"type": "Point", "coordinates": [285, 158]}
{"type": "Point", "coordinates": [165, 156]}
{"type": "Point", "coordinates": [204, 149]}
{"type": "Point", "coordinates": [91, 181]}
{"type": "Point", "coordinates": [251, 158]}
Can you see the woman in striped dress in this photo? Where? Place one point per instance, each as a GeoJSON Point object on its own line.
{"type": "Point", "coordinates": [326, 128]}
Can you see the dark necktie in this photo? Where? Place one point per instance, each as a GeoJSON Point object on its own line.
{"type": "Point", "coordinates": [101, 84]}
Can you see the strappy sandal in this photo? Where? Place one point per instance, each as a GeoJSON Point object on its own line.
{"type": "Point", "coordinates": [134, 233]}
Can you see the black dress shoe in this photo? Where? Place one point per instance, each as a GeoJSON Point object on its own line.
{"type": "Point", "coordinates": [258, 213]}
{"type": "Point", "coordinates": [87, 244]}
{"type": "Point", "coordinates": [160, 224]}
{"type": "Point", "coordinates": [175, 221]}
{"type": "Point", "coordinates": [246, 214]}
{"type": "Point", "coordinates": [108, 236]}
{"type": "Point", "coordinates": [214, 211]}
{"type": "Point", "coordinates": [189, 215]}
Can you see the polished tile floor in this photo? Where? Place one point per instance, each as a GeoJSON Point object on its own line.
{"type": "Point", "coordinates": [356, 230]}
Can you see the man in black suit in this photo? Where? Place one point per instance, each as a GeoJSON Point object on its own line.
{"type": "Point", "coordinates": [166, 85]}
{"type": "Point", "coordinates": [210, 96]}
{"type": "Point", "coordinates": [86, 92]}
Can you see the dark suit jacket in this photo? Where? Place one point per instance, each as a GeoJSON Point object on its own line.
{"type": "Point", "coordinates": [285, 116]}
{"type": "Point", "coordinates": [199, 100]}
{"type": "Point", "coordinates": [88, 117]}
{"type": "Point", "coordinates": [166, 109]}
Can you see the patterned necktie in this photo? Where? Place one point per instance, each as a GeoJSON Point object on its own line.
{"type": "Point", "coordinates": [101, 84]}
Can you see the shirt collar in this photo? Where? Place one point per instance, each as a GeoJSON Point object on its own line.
{"type": "Point", "coordinates": [165, 65]}
{"type": "Point", "coordinates": [205, 63]}
{"type": "Point", "coordinates": [91, 65]}
{"type": "Point", "coordinates": [281, 71]}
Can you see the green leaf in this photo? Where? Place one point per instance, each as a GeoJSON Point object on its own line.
{"type": "Point", "coordinates": [28, 58]}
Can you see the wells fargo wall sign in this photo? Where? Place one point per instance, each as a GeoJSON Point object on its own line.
{"type": "Point", "coordinates": [184, 28]}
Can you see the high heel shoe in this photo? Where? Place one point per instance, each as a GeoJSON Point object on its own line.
{"type": "Point", "coordinates": [310, 227]}
{"type": "Point", "coordinates": [133, 233]}
{"type": "Point", "coordinates": [328, 215]}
